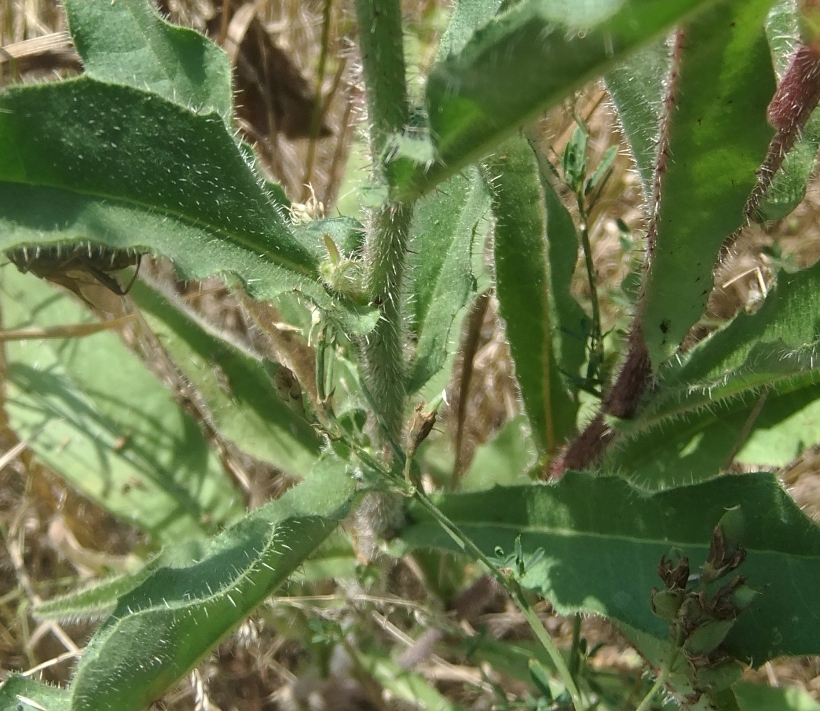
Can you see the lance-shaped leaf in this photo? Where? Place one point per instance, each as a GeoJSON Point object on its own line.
{"type": "Point", "coordinates": [521, 63]}
{"type": "Point", "coordinates": [127, 42]}
{"type": "Point", "coordinates": [638, 87]}
{"type": "Point", "coordinates": [601, 542]}
{"type": "Point", "coordinates": [85, 160]}
{"type": "Point", "coordinates": [98, 417]}
{"type": "Point", "coordinates": [535, 252]}
{"type": "Point", "coordinates": [162, 627]}
{"type": "Point", "coordinates": [240, 394]}
{"type": "Point", "coordinates": [748, 392]}
{"type": "Point", "coordinates": [20, 693]}
{"type": "Point", "coordinates": [445, 233]}
{"type": "Point", "coordinates": [717, 138]}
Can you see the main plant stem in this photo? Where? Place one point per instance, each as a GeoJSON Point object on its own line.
{"type": "Point", "coordinates": [380, 39]}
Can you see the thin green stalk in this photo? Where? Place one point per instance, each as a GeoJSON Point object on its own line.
{"type": "Point", "coordinates": [656, 687]}
{"type": "Point", "coordinates": [517, 594]}
{"type": "Point", "coordinates": [596, 358]}
{"type": "Point", "coordinates": [575, 650]}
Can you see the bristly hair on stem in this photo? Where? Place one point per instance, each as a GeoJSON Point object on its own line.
{"type": "Point", "coordinates": [380, 39]}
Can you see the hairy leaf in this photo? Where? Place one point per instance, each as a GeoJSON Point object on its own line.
{"type": "Point", "coordinates": [524, 61]}
{"type": "Point", "coordinates": [445, 229]}
{"type": "Point", "coordinates": [99, 418]}
{"type": "Point", "coordinates": [534, 240]}
{"type": "Point", "coordinates": [127, 42]}
{"type": "Point", "coordinates": [180, 611]}
{"type": "Point", "coordinates": [85, 160]}
{"type": "Point", "coordinates": [238, 390]}
{"type": "Point", "coordinates": [638, 87]}
{"type": "Point", "coordinates": [602, 541]}
{"type": "Point", "coordinates": [20, 693]}
{"type": "Point", "coordinates": [717, 137]}
{"type": "Point", "coordinates": [749, 390]}
{"type": "Point", "coordinates": [467, 17]}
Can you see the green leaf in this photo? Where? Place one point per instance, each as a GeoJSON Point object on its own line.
{"type": "Point", "coordinates": [99, 599]}
{"type": "Point", "coordinates": [717, 138]}
{"type": "Point", "coordinates": [127, 42]}
{"type": "Point", "coordinates": [99, 418]}
{"type": "Point", "coordinates": [445, 233]}
{"type": "Point", "coordinates": [504, 460]}
{"type": "Point", "coordinates": [709, 405]}
{"type": "Point", "coordinates": [524, 61]}
{"type": "Point", "coordinates": [533, 237]}
{"type": "Point", "coordinates": [82, 160]}
{"type": "Point", "coordinates": [754, 697]}
{"type": "Point", "coordinates": [237, 388]}
{"type": "Point", "coordinates": [602, 541]}
{"type": "Point", "coordinates": [404, 684]}
{"type": "Point", "coordinates": [162, 627]}
{"type": "Point", "coordinates": [19, 693]}
{"type": "Point", "coordinates": [467, 17]}
{"type": "Point", "coordinates": [789, 184]}
{"type": "Point", "coordinates": [638, 87]}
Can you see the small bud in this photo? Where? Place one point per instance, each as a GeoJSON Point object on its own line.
{"type": "Point", "coordinates": [743, 596]}
{"type": "Point", "coordinates": [733, 525]}
{"type": "Point", "coordinates": [707, 637]}
{"type": "Point", "coordinates": [666, 603]}
{"type": "Point", "coordinates": [690, 612]}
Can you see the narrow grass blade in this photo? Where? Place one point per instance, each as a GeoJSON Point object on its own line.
{"type": "Point", "coordinates": [106, 424]}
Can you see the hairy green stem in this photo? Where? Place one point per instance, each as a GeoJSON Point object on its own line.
{"type": "Point", "coordinates": [384, 346]}
{"type": "Point", "coordinates": [380, 40]}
